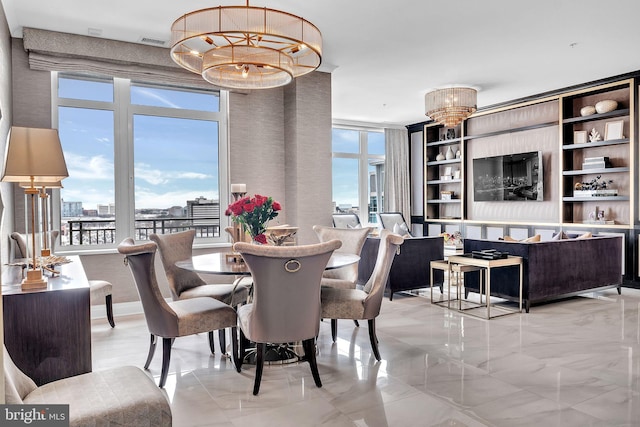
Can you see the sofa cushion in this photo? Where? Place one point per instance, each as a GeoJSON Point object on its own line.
{"type": "Point", "coordinates": [560, 236]}
{"type": "Point", "coordinates": [532, 239]}
{"type": "Point", "coordinates": [586, 235]}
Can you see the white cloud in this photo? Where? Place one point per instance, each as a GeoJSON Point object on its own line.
{"type": "Point", "coordinates": [144, 172]}
{"type": "Point", "coordinates": [82, 167]}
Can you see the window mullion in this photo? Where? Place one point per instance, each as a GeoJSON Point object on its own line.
{"type": "Point", "coordinates": [123, 161]}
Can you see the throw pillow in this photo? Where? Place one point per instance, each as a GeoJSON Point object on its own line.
{"type": "Point", "coordinates": [532, 239]}
{"type": "Point", "coordinates": [586, 235]}
{"type": "Point", "coordinates": [560, 236]}
{"type": "Point", "coordinates": [509, 239]}
{"type": "Point", "coordinates": [401, 229]}
{"type": "Point", "coordinates": [354, 226]}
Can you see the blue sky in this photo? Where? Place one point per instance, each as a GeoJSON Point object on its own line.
{"type": "Point", "coordinates": [175, 159]}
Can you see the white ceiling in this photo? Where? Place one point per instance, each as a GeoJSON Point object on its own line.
{"type": "Point", "coordinates": [384, 56]}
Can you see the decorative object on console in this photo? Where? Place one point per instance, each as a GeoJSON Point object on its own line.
{"type": "Point", "coordinates": [450, 106]}
{"type": "Point", "coordinates": [452, 240]}
{"type": "Point", "coordinates": [253, 213]}
{"type": "Point", "coordinates": [440, 157]}
{"type": "Point", "coordinates": [458, 154]}
{"type": "Point", "coordinates": [594, 135]}
{"type": "Point", "coordinates": [34, 155]}
{"type": "Point", "coordinates": [246, 47]}
{"type": "Point", "coordinates": [606, 106]}
{"type": "Point", "coordinates": [588, 110]}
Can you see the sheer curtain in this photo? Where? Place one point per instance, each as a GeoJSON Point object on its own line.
{"type": "Point", "coordinates": [396, 170]}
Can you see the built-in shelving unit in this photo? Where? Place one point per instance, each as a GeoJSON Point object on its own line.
{"type": "Point", "coordinates": [438, 140]}
{"type": "Point", "coordinates": [618, 210]}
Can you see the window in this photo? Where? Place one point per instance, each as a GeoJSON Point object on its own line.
{"type": "Point", "coordinates": [142, 159]}
{"type": "Point", "coordinates": [358, 171]}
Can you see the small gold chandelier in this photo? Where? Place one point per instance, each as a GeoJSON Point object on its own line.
{"type": "Point", "coordinates": [245, 47]}
{"type": "Point", "coordinates": [450, 106]}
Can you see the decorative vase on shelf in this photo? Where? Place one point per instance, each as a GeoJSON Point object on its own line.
{"type": "Point", "coordinates": [606, 106]}
{"type": "Point", "coordinates": [450, 155]}
{"type": "Point", "coordinates": [588, 110]}
{"type": "Point", "coordinates": [458, 154]}
{"type": "Point", "coordinates": [440, 157]}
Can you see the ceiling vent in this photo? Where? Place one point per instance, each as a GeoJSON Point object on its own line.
{"type": "Point", "coordinates": [154, 42]}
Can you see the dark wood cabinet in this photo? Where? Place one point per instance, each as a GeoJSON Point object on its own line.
{"type": "Point", "coordinates": [48, 332]}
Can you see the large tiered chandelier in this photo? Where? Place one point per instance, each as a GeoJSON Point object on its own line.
{"type": "Point", "coordinates": [245, 47]}
{"type": "Point", "coordinates": [450, 106]}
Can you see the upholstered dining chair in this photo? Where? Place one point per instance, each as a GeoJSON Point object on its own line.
{"type": "Point", "coordinates": [394, 221]}
{"type": "Point", "coordinates": [120, 396]}
{"type": "Point", "coordinates": [352, 240]}
{"type": "Point", "coordinates": [170, 320]}
{"type": "Point", "coordinates": [346, 220]}
{"type": "Point", "coordinates": [363, 304]}
{"type": "Point", "coordinates": [186, 284]}
{"type": "Point", "coordinates": [286, 299]}
{"type": "Point", "coordinates": [99, 290]}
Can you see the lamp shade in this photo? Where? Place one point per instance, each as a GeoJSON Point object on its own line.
{"type": "Point", "coordinates": [56, 184]}
{"type": "Point", "coordinates": [34, 154]}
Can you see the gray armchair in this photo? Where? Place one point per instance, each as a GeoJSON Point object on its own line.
{"type": "Point", "coordinates": [363, 304]}
{"type": "Point", "coordinates": [177, 318]}
{"type": "Point", "coordinates": [286, 299]}
{"type": "Point", "coordinates": [123, 396]}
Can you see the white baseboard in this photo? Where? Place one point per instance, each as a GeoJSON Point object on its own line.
{"type": "Point", "coordinates": [99, 311]}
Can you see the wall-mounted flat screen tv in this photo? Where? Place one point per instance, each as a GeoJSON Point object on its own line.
{"type": "Point", "coordinates": [512, 177]}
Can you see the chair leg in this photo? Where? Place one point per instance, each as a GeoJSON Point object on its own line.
{"type": "Point", "coordinates": [334, 329]}
{"type": "Point", "coordinates": [310, 355]}
{"type": "Point", "coordinates": [152, 350]}
{"type": "Point", "coordinates": [109, 303]}
{"type": "Point", "coordinates": [211, 346]}
{"type": "Point", "coordinates": [166, 358]}
{"type": "Point", "coordinates": [390, 295]}
{"type": "Point", "coordinates": [234, 347]}
{"type": "Point", "coordinates": [356, 322]}
{"type": "Point", "coordinates": [223, 341]}
{"type": "Point", "coordinates": [373, 338]}
{"type": "Point", "coordinates": [242, 340]}
{"type": "Point", "coordinates": [260, 347]}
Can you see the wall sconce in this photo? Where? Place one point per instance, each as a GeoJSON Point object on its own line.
{"type": "Point", "coordinates": [35, 156]}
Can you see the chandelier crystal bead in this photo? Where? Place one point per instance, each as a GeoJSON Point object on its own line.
{"type": "Point", "coordinates": [450, 106]}
{"type": "Point", "coordinates": [245, 47]}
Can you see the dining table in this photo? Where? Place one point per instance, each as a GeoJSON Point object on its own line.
{"type": "Point", "coordinates": [231, 264]}
{"type": "Point", "coordinates": [224, 263]}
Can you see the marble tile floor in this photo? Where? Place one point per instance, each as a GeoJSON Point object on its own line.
{"type": "Point", "coordinates": [570, 363]}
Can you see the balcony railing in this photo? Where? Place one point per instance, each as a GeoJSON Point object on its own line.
{"type": "Point", "coordinates": [103, 231]}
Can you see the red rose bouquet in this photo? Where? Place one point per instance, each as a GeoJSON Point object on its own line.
{"type": "Point", "coordinates": [253, 213]}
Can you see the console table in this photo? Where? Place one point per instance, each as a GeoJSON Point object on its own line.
{"type": "Point", "coordinates": [47, 332]}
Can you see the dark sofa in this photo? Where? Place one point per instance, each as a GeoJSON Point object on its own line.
{"type": "Point", "coordinates": [410, 268]}
{"type": "Point", "coordinates": [552, 269]}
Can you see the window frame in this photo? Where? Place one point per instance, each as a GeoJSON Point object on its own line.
{"type": "Point", "coordinates": [363, 158]}
{"type": "Point", "coordinates": [123, 114]}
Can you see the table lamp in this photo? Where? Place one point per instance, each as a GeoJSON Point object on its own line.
{"type": "Point", "coordinates": [35, 156]}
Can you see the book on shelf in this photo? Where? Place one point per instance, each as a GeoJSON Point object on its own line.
{"type": "Point", "coordinates": [595, 193]}
{"type": "Point", "coordinates": [596, 159]}
{"type": "Point", "coordinates": [595, 165]}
